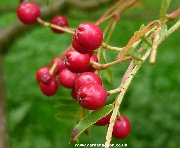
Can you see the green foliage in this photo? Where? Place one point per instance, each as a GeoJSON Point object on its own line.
{"type": "Point", "coordinates": [108, 74]}
{"type": "Point", "coordinates": [163, 30]}
{"type": "Point", "coordinates": [61, 107]}
{"type": "Point", "coordinates": [89, 120]}
{"type": "Point", "coordinates": [151, 103]}
{"type": "Point", "coordinates": [146, 42]}
{"type": "Point", "coordinates": [164, 7]}
{"type": "Point", "coordinates": [48, 1]}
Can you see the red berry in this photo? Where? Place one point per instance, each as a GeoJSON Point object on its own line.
{"type": "Point", "coordinates": [77, 62]}
{"type": "Point", "coordinates": [43, 75]}
{"type": "Point", "coordinates": [92, 96]}
{"type": "Point", "coordinates": [49, 89]}
{"type": "Point", "coordinates": [87, 78]}
{"type": "Point", "coordinates": [121, 127]}
{"type": "Point", "coordinates": [60, 65]}
{"type": "Point", "coordinates": [87, 38]}
{"type": "Point", "coordinates": [59, 21]}
{"type": "Point", "coordinates": [67, 78]}
{"type": "Point", "coordinates": [90, 53]}
{"type": "Point", "coordinates": [74, 93]}
{"type": "Point", "coordinates": [103, 121]}
{"type": "Point", "coordinates": [28, 12]}
{"type": "Point", "coordinates": [95, 59]}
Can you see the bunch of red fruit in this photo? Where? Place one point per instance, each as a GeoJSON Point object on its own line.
{"type": "Point", "coordinates": [74, 71]}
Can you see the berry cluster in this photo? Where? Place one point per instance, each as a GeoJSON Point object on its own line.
{"type": "Point", "coordinates": [74, 71]}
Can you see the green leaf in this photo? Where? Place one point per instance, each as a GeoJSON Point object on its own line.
{"type": "Point", "coordinates": [18, 114]}
{"type": "Point", "coordinates": [164, 7]}
{"type": "Point", "coordinates": [130, 51]}
{"type": "Point", "coordinates": [107, 72]}
{"type": "Point", "coordinates": [145, 42]}
{"type": "Point", "coordinates": [163, 30]}
{"type": "Point", "coordinates": [89, 120]}
{"type": "Point", "coordinates": [61, 111]}
{"type": "Point", "coordinates": [141, 27]}
{"type": "Point", "coordinates": [48, 1]}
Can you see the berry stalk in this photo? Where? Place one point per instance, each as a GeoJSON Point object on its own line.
{"type": "Point", "coordinates": [50, 25]}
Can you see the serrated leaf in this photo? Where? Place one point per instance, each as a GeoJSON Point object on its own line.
{"type": "Point", "coordinates": [89, 120]}
{"type": "Point", "coordinates": [163, 30]}
{"type": "Point", "coordinates": [164, 7]}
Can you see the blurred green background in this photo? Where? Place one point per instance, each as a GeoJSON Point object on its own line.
{"type": "Point", "coordinates": [151, 103]}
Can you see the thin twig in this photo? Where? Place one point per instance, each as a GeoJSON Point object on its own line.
{"type": "Point", "coordinates": [110, 10]}
{"type": "Point", "coordinates": [124, 86]}
{"type": "Point", "coordinates": [118, 12]}
{"type": "Point", "coordinates": [47, 24]}
{"type": "Point", "coordinates": [99, 66]}
{"type": "Point", "coordinates": [170, 31]}
{"type": "Point", "coordinates": [106, 46]}
{"type": "Point", "coordinates": [155, 46]}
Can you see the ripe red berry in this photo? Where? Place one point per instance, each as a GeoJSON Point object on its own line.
{"type": "Point", "coordinates": [87, 38]}
{"type": "Point", "coordinates": [77, 62]}
{"type": "Point", "coordinates": [60, 65]}
{"type": "Point", "coordinates": [87, 78]}
{"type": "Point", "coordinates": [92, 96]}
{"type": "Point", "coordinates": [103, 121]}
{"type": "Point", "coordinates": [28, 12]}
{"type": "Point", "coordinates": [95, 59]}
{"type": "Point", "coordinates": [49, 89]}
{"type": "Point", "coordinates": [67, 78]}
{"type": "Point", "coordinates": [43, 75]}
{"type": "Point", "coordinates": [59, 21]}
{"type": "Point", "coordinates": [74, 93]}
{"type": "Point", "coordinates": [121, 127]}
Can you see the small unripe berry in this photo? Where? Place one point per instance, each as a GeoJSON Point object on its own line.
{"type": "Point", "coordinates": [95, 59]}
{"type": "Point", "coordinates": [59, 21]}
{"type": "Point", "coordinates": [49, 89]}
{"type": "Point", "coordinates": [67, 78]}
{"type": "Point", "coordinates": [77, 62]}
{"type": "Point", "coordinates": [60, 65]}
{"type": "Point", "coordinates": [87, 38]}
{"type": "Point", "coordinates": [92, 96]}
{"type": "Point", "coordinates": [103, 121]}
{"type": "Point", "coordinates": [121, 127]}
{"type": "Point", "coordinates": [74, 93]}
{"type": "Point", "coordinates": [28, 12]}
{"type": "Point", "coordinates": [87, 78]}
{"type": "Point", "coordinates": [43, 75]}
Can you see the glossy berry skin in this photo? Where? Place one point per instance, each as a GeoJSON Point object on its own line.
{"type": "Point", "coordinates": [28, 12]}
{"type": "Point", "coordinates": [77, 62]}
{"type": "Point", "coordinates": [67, 78]}
{"type": "Point", "coordinates": [59, 21]}
{"type": "Point", "coordinates": [87, 78]}
{"type": "Point", "coordinates": [43, 75]}
{"type": "Point", "coordinates": [60, 65]}
{"type": "Point", "coordinates": [121, 127]}
{"type": "Point", "coordinates": [49, 89]}
{"type": "Point", "coordinates": [87, 38]}
{"type": "Point", "coordinates": [95, 59]}
{"type": "Point", "coordinates": [74, 93]}
{"type": "Point", "coordinates": [103, 121]}
{"type": "Point", "coordinates": [92, 96]}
